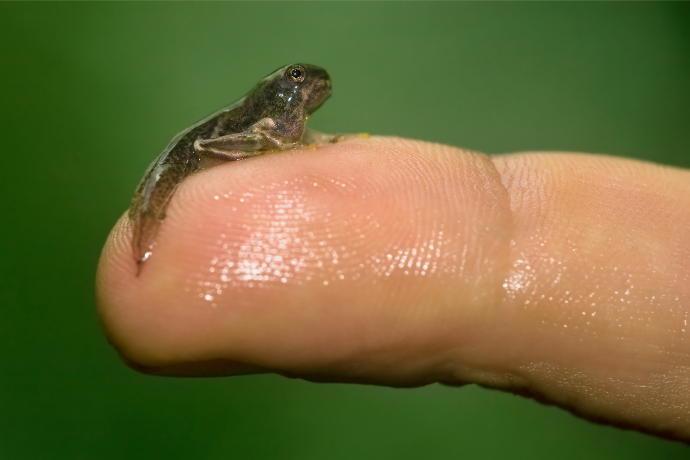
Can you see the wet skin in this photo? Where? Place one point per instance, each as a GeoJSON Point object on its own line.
{"type": "Point", "coordinates": [565, 277]}
{"type": "Point", "coordinates": [273, 116]}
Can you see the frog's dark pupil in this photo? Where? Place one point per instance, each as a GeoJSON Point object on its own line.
{"type": "Point", "coordinates": [296, 73]}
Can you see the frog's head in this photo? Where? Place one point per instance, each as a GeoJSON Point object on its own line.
{"type": "Point", "coordinates": [313, 82]}
{"type": "Point", "coordinates": [296, 87]}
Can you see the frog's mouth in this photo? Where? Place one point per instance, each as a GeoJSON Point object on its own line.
{"type": "Point", "coordinates": [322, 96]}
{"type": "Point", "coordinates": [321, 101]}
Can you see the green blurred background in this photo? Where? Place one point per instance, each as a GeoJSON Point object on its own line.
{"type": "Point", "coordinates": [90, 93]}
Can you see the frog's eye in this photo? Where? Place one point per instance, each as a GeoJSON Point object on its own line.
{"type": "Point", "coordinates": [296, 73]}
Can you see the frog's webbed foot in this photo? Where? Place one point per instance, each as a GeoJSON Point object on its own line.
{"type": "Point", "coordinates": [311, 137]}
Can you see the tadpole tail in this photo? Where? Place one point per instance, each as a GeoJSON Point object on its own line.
{"type": "Point", "coordinates": [150, 200]}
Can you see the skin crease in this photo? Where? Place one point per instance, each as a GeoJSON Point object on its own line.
{"type": "Point", "coordinates": [564, 277]}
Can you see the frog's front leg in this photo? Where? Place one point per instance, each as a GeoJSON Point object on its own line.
{"type": "Point", "coordinates": [261, 138]}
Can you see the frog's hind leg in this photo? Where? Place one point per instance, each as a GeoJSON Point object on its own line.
{"type": "Point", "coordinates": [233, 146]}
{"type": "Point", "coordinates": [147, 210]}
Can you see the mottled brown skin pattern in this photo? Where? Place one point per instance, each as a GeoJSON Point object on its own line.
{"type": "Point", "coordinates": [271, 117]}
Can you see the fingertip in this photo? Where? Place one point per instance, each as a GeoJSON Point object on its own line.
{"type": "Point", "coordinates": [306, 261]}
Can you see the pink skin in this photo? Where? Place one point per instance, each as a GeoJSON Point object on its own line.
{"type": "Point", "coordinates": [561, 276]}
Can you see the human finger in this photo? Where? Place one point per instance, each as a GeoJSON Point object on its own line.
{"type": "Point", "coordinates": [388, 261]}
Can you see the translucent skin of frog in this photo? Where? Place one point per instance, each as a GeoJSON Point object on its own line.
{"type": "Point", "coordinates": [271, 117]}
